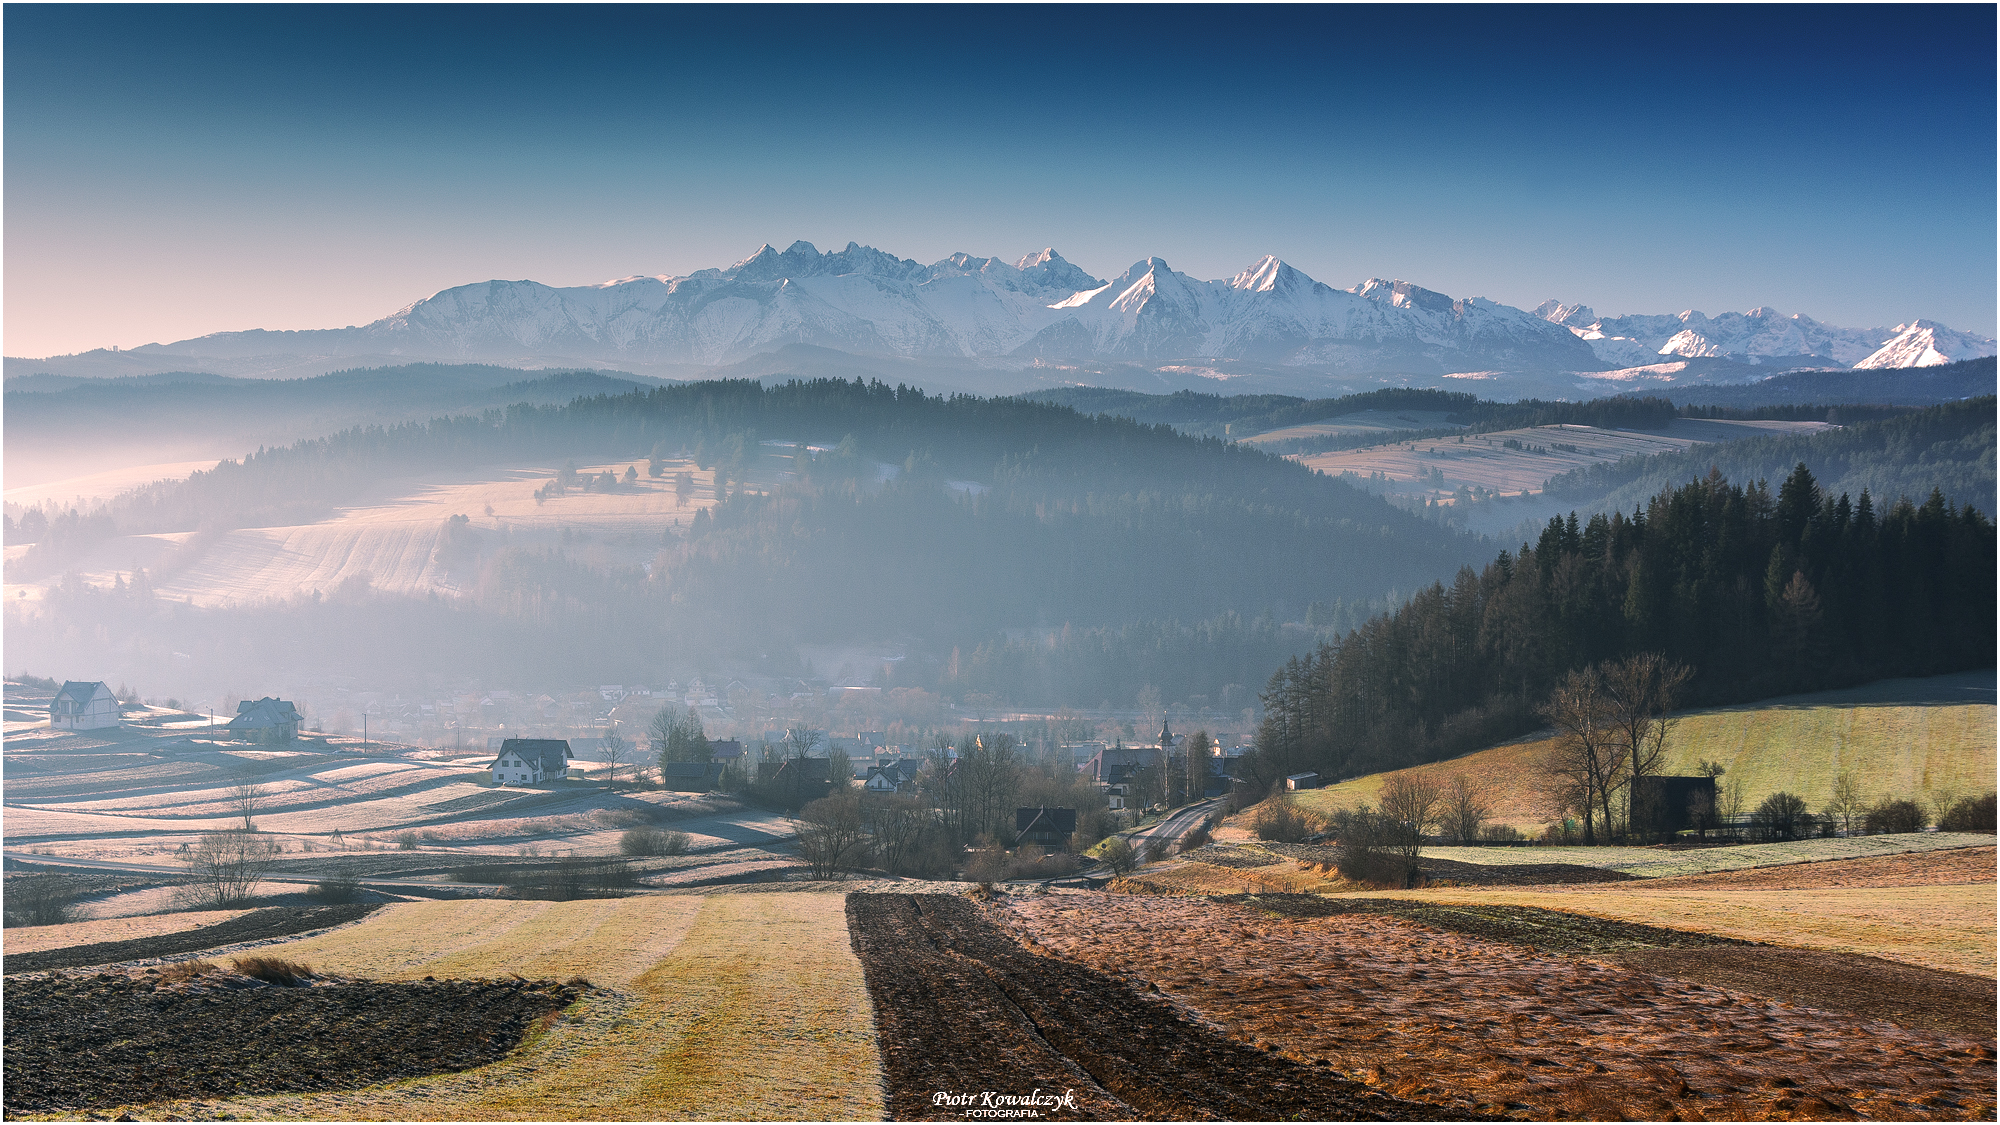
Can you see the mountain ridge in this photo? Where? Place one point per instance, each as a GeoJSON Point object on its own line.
{"type": "Point", "coordinates": [1039, 308]}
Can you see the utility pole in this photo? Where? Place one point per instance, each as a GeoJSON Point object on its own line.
{"type": "Point", "coordinates": [364, 730]}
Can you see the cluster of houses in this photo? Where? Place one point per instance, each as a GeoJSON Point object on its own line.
{"type": "Point", "coordinates": [92, 705]}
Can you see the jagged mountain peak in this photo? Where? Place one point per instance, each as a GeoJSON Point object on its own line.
{"type": "Point", "coordinates": [1268, 274]}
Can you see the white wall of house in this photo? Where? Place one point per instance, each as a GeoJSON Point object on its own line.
{"type": "Point", "coordinates": [95, 713]}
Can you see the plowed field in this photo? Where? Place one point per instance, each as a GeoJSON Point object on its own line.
{"type": "Point", "coordinates": [966, 1012]}
{"type": "Point", "coordinates": [1456, 1020]}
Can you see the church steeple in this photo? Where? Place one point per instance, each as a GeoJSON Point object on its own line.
{"type": "Point", "coordinates": [1166, 735]}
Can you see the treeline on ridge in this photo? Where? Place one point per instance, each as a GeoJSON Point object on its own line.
{"type": "Point", "coordinates": [1760, 596]}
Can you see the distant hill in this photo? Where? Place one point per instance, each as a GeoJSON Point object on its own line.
{"type": "Point", "coordinates": [1907, 386]}
{"type": "Point", "coordinates": [59, 426]}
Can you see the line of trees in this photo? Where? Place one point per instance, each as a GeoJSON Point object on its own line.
{"type": "Point", "coordinates": [1761, 595]}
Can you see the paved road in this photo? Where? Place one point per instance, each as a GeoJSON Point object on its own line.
{"type": "Point", "coordinates": [1177, 824]}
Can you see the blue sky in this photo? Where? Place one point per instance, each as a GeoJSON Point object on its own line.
{"type": "Point", "coordinates": [172, 171]}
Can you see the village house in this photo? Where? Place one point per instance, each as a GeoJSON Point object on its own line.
{"type": "Point", "coordinates": [690, 777]}
{"type": "Point", "coordinates": [83, 705]}
{"type": "Point", "coordinates": [266, 720]}
{"type": "Point", "coordinates": [894, 777]}
{"type": "Point", "coordinates": [1045, 827]}
{"type": "Point", "coordinates": [531, 761]}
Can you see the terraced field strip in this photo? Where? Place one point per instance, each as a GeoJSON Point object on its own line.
{"type": "Point", "coordinates": [33, 939]}
{"type": "Point", "coordinates": [1948, 927]}
{"type": "Point", "coordinates": [737, 1007]}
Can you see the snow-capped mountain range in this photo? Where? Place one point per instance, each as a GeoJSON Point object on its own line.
{"type": "Point", "coordinates": [1042, 310]}
{"type": "Point", "coordinates": [1763, 336]}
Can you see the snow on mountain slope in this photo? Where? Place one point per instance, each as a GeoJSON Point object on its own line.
{"type": "Point", "coordinates": [1924, 343]}
{"type": "Point", "coordinates": [1760, 336]}
{"type": "Point", "coordinates": [1043, 309]}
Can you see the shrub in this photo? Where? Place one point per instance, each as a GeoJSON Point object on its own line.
{"type": "Point", "coordinates": [652, 841]}
{"type": "Point", "coordinates": [1500, 833]}
{"type": "Point", "coordinates": [1783, 816]}
{"type": "Point", "coordinates": [338, 888]}
{"type": "Point", "coordinates": [40, 900]}
{"type": "Point", "coordinates": [1283, 821]}
{"type": "Point", "coordinates": [1118, 855]}
{"type": "Point", "coordinates": [274, 970]}
{"type": "Point", "coordinates": [1376, 848]}
{"type": "Point", "coordinates": [187, 970]}
{"type": "Point", "coordinates": [1155, 851]}
{"type": "Point", "coordinates": [1893, 816]}
{"type": "Point", "coordinates": [987, 865]}
{"type": "Point", "coordinates": [1970, 814]}
{"type": "Point", "coordinates": [1195, 839]}
{"type": "Point", "coordinates": [406, 841]}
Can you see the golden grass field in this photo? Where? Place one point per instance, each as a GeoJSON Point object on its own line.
{"type": "Point", "coordinates": [730, 1007]}
{"type": "Point", "coordinates": [30, 939]}
{"type": "Point", "coordinates": [1939, 927]}
{"type": "Point", "coordinates": [1903, 738]}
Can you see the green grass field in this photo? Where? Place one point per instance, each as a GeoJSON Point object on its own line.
{"type": "Point", "coordinates": [1903, 738]}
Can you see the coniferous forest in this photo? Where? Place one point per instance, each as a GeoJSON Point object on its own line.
{"type": "Point", "coordinates": [1759, 595]}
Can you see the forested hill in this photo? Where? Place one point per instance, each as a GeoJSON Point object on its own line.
{"type": "Point", "coordinates": [999, 513]}
{"type": "Point", "coordinates": [1760, 595]}
{"type": "Point", "coordinates": [1949, 448]}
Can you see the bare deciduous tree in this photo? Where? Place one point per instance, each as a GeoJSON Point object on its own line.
{"type": "Point", "coordinates": [224, 868]}
{"type": "Point", "coordinates": [1639, 692]}
{"type": "Point", "coordinates": [613, 749]}
{"type": "Point", "coordinates": [244, 797]}
{"type": "Point", "coordinates": [832, 833]}
{"type": "Point", "coordinates": [1845, 805]}
{"type": "Point", "coordinates": [1413, 799]}
{"type": "Point", "coordinates": [1586, 763]}
{"type": "Point", "coordinates": [1464, 807]}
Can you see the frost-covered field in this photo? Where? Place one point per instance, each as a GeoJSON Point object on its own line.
{"type": "Point", "coordinates": [1484, 461]}
{"type": "Point", "coordinates": [1655, 863]}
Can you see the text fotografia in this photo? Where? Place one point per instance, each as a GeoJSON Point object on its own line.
{"type": "Point", "coordinates": [988, 1105]}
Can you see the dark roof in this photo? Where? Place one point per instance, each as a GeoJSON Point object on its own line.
{"type": "Point", "coordinates": [725, 748]}
{"type": "Point", "coordinates": [269, 711]}
{"type": "Point", "coordinates": [812, 769]}
{"type": "Point", "coordinates": [553, 753]}
{"type": "Point", "coordinates": [82, 691]}
{"type": "Point", "coordinates": [690, 775]}
{"type": "Point", "coordinates": [1060, 821]}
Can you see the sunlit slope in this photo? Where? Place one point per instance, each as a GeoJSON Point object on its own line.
{"type": "Point", "coordinates": [392, 543]}
{"type": "Point", "coordinates": [1903, 738]}
{"type": "Point", "coordinates": [1486, 461]}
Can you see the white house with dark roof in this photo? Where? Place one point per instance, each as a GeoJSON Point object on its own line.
{"type": "Point", "coordinates": [83, 705]}
{"type": "Point", "coordinates": [531, 761]}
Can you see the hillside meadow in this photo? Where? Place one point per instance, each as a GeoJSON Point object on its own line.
{"type": "Point", "coordinates": [1903, 738]}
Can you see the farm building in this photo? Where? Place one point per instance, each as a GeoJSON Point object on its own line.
{"type": "Point", "coordinates": [1047, 827]}
{"type": "Point", "coordinates": [690, 777]}
{"type": "Point", "coordinates": [531, 761]}
{"type": "Point", "coordinates": [1301, 781]}
{"type": "Point", "coordinates": [797, 780]}
{"type": "Point", "coordinates": [83, 705]}
{"type": "Point", "coordinates": [267, 720]}
{"type": "Point", "coordinates": [1662, 806]}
